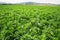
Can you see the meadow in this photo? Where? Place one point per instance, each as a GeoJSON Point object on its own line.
{"type": "Point", "coordinates": [24, 22]}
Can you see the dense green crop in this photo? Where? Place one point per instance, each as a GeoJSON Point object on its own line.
{"type": "Point", "coordinates": [29, 22]}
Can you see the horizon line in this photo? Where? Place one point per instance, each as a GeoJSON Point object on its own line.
{"type": "Point", "coordinates": [28, 2]}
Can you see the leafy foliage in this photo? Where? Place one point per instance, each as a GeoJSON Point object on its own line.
{"type": "Point", "coordinates": [29, 22]}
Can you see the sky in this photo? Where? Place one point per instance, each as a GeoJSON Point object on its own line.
{"type": "Point", "coordinates": [38, 1]}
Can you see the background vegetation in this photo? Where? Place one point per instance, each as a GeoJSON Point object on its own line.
{"type": "Point", "coordinates": [18, 22]}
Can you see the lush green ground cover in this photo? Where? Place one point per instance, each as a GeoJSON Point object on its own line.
{"type": "Point", "coordinates": [29, 22]}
